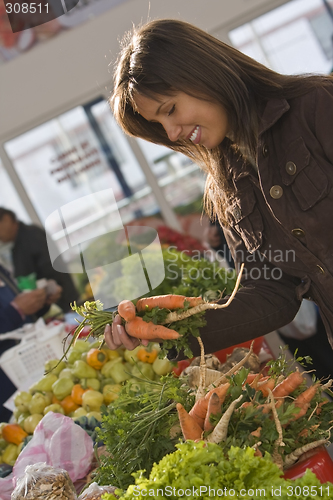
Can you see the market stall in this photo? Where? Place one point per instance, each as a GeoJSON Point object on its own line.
{"type": "Point", "coordinates": [132, 424]}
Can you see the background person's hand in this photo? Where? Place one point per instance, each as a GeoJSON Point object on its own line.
{"type": "Point", "coordinates": [31, 302]}
{"type": "Point", "coordinates": [116, 336]}
{"type": "Point", "coordinates": [54, 296]}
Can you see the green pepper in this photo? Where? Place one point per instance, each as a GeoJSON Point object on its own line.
{"type": "Point", "coordinates": [67, 372]}
{"type": "Point", "coordinates": [62, 387]}
{"type": "Point", "coordinates": [81, 346]}
{"type": "Point", "coordinates": [22, 399]}
{"type": "Point", "coordinates": [38, 402]}
{"type": "Point", "coordinates": [106, 381]}
{"type": "Point", "coordinates": [117, 370]}
{"type": "Point", "coordinates": [143, 370]}
{"type": "Point", "coordinates": [84, 356]}
{"type": "Point", "coordinates": [10, 454]}
{"type": "Point", "coordinates": [31, 422]}
{"type": "Point", "coordinates": [162, 366]}
{"type": "Point", "coordinates": [22, 418]}
{"type": "Point", "coordinates": [92, 400]}
{"type": "Point", "coordinates": [44, 384]}
{"type": "Point", "coordinates": [90, 383]}
{"type": "Point", "coordinates": [3, 444]}
{"type": "Point", "coordinates": [73, 356]}
{"type": "Point", "coordinates": [55, 366]}
{"type": "Point", "coordinates": [131, 356]}
{"type": "Point", "coordinates": [55, 407]}
{"type": "Point", "coordinates": [83, 370]}
{"type": "Point", "coordinates": [79, 413]}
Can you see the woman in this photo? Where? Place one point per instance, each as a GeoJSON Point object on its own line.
{"type": "Point", "coordinates": [265, 141]}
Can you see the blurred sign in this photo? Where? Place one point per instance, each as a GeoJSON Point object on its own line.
{"type": "Point", "coordinates": [25, 24]}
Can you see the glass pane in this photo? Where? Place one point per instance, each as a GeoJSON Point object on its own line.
{"type": "Point", "coordinates": [182, 180]}
{"type": "Point", "coordinates": [10, 198]}
{"type": "Point", "coordinates": [293, 38]}
{"type": "Point", "coordinates": [83, 181]}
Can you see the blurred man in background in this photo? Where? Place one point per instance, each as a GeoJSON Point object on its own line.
{"type": "Point", "coordinates": [25, 251]}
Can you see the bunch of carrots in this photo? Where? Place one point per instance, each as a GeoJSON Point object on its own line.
{"type": "Point", "coordinates": [169, 309]}
{"type": "Point", "coordinates": [269, 413]}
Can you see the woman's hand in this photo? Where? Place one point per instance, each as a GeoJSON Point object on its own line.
{"type": "Point", "coordinates": [116, 336]}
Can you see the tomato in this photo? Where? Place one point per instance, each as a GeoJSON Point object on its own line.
{"type": "Point", "coordinates": [181, 365]}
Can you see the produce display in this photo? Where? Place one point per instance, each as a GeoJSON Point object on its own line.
{"type": "Point", "coordinates": [232, 427]}
{"type": "Point", "coordinates": [276, 414]}
{"type": "Point", "coordinates": [77, 387]}
{"type": "Point", "coordinates": [203, 470]}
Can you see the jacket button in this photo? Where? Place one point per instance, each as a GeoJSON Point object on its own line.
{"type": "Point", "coordinates": [321, 269]}
{"type": "Point", "coordinates": [299, 233]}
{"type": "Point", "coordinates": [291, 168]}
{"type": "Point", "coordinates": [265, 150]}
{"type": "Point", "coordinates": [276, 192]}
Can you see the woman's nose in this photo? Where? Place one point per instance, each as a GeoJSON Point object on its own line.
{"type": "Point", "coordinates": [173, 132]}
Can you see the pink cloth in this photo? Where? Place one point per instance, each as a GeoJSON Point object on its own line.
{"type": "Point", "coordinates": [57, 441]}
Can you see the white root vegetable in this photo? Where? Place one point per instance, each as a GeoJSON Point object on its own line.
{"type": "Point", "coordinates": [279, 442]}
{"type": "Point", "coordinates": [220, 431]}
{"type": "Point", "coordinates": [203, 368]}
{"type": "Point", "coordinates": [234, 369]}
{"type": "Point", "coordinates": [294, 456]}
{"type": "Point", "coordinates": [193, 373]}
{"type": "Point", "coordinates": [177, 316]}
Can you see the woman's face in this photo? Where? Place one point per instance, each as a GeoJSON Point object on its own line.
{"type": "Point", "coordinates": [186, 118]}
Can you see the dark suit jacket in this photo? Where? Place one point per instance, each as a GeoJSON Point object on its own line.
{"type": "Point", "coordinates": [30, 255]}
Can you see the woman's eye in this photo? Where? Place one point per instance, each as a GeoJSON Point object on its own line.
{"type": "Point", "coordinates": [172, 110]}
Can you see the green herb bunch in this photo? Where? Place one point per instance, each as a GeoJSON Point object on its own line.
{"type": "Point", "coordinates": [140, 427]}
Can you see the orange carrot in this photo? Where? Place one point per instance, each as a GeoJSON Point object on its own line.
{"type": "Point", "coordinates": [221, 391]}
{"type": "Point", "coordinates": [303, 401]}
{"type": "Point", "coordinates": [265, 386]}
{"type": "Point", "coordinates": [288, 385]}
{"type": "Point", "coordinates": [199, 410]}
{"type": "Point", "coordinates": [252, 378]}
{"type": "Point", "coordinates": [127, 310]}
{"type": "Point", "coordinates": [190, 428]}
{"type": "Point", "coordinates": [257, 432]}
{"type": "Point", "coordinates": [140, 329]}
{"type": "Point", "coordinates": [214, 407]}
{"type": "Point", "coordinates": [318, 410]}
{"type": "Point", "coordinates": [167, 302]}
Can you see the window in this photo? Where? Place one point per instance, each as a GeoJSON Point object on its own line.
{"type": "Point", "coordinates": [292, 39]}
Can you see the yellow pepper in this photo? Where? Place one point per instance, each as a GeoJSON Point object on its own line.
{"type": "Point", "coordinates": [10, 454]}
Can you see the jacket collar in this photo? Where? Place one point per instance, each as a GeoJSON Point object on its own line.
{"type": "Point", "coordinates": [273, 110]}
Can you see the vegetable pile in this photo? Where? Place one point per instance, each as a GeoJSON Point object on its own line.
{"type": "Point", "coordinates": [276, 414]}
{"type": "Point", "coordinates": [78, 387]}
{"type": "Point", "coordinates": [204, 470]}
{"type": "Point", "coordinates": [140, 427]}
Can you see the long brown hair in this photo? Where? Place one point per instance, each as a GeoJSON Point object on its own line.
{"type": "Point", "coordinates": [166, 56]}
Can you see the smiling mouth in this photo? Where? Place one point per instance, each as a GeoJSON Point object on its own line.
{"type": "Point", "coordinates": [194, 134]}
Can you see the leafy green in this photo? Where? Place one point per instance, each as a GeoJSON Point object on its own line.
{"type": "Point", "coordinates": [194, 470]}
{"type": "Point", "coordinates": [136, 428]}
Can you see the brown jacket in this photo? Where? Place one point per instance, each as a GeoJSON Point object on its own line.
{"type": "Point", "coordinates": [281, 223]}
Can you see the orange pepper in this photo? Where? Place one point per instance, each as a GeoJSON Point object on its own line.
{"type": "Point", "coordinates": [55, 400]}
{"type": "Point", "coordinates": [146, 356]}
{"type": "Point", "coordinates": [77, 393]}
{"type": "Point", "coordinates": [13, 433]}
{"type": "Point", "coordinates": [68, 405]}
{"type": "Point", "coordinates": [96, 358]}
